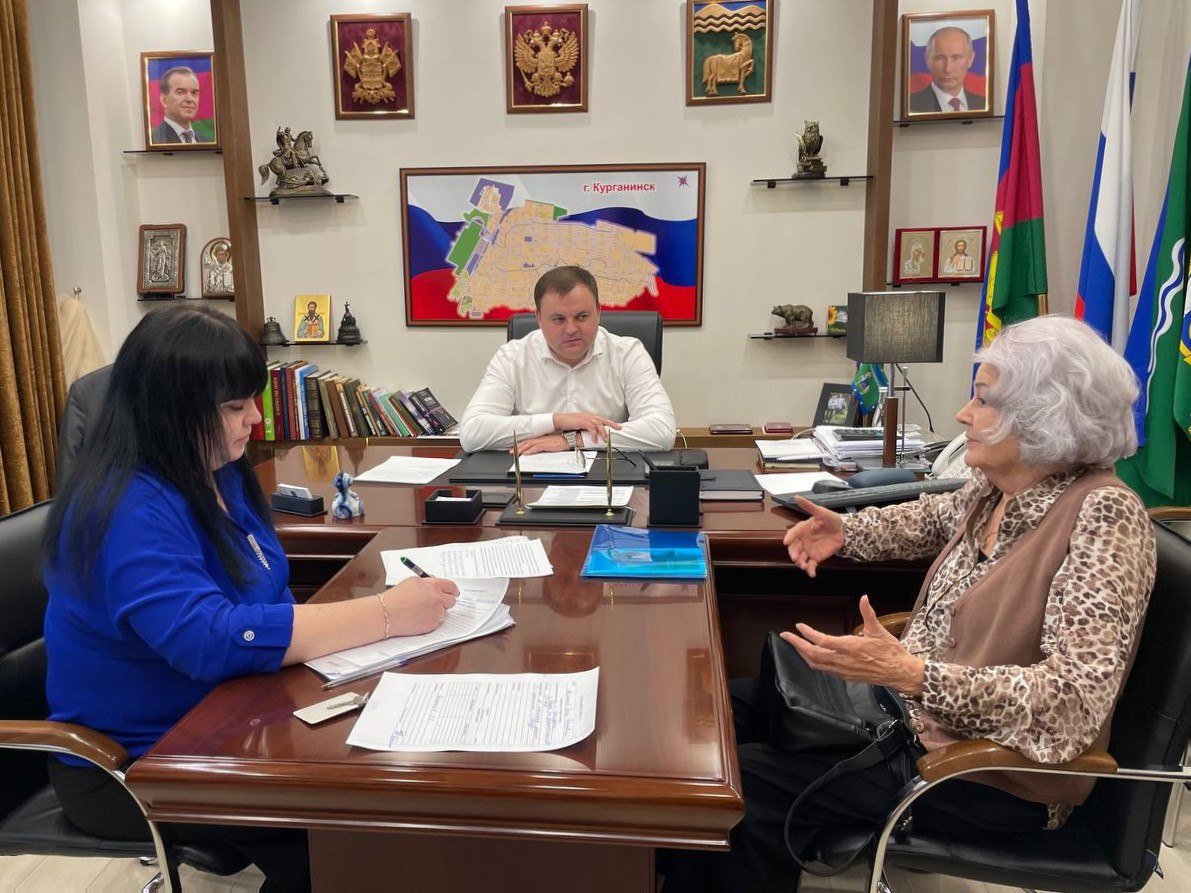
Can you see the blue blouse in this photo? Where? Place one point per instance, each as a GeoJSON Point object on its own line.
{"type": "Point", "coordinates": [160, 623]}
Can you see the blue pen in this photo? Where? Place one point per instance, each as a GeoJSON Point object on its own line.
{"type": "Point", "coordinates": [413, 567]}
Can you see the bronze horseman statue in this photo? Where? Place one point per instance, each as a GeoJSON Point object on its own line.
{"type": "Point", "coordinates": [298, 170]}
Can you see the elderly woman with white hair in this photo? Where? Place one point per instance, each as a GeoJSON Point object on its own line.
{"type": "Point", "coordinates": [1024, 630]}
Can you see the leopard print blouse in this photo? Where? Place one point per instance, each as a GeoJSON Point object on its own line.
{"type": "Point", "coordinates": [1051, 711]}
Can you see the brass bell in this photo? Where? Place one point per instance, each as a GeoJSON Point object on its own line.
{"type": "Point", "coordinates": [271, 334]}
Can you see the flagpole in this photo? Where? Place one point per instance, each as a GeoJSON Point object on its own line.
{"type": "Point", "coordinates": [1043, 305]}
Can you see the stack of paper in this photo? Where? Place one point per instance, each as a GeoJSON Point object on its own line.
{"type": "Point", "coordinates": [509, 556]}
{"type": "Point", "coordinates": [566, 462]}
{"type": "Point", "coordinates": [582, 497]}
{"type": "Point", "coordinates": [515, 713]}
{"type": "Point", "coordinates": [802, 449]}
{"type": "Point", "coordinates": [848, 444]}
{"type": "Point", "coordinates": [778, 484]}
{"type": "Point", "coordinates": [478, 611]}
{"type": "Point", "coordinates": [406, 470]}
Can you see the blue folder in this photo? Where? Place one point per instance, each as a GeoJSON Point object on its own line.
{"type": "Point", "coordinates": [646, 554]}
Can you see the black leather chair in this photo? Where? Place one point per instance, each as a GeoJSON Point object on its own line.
{"type": "Point", "coordinates": [83, 400]}
{"type": "Point", "coordinates": [1111, 843]}
{"type": "Point", "coordinates": [644, 325]}
{"type": "Point", "coordinates": [31, 819]}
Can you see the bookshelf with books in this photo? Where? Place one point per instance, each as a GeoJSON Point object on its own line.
{"type": "Point", "coordinates": [304, 403]}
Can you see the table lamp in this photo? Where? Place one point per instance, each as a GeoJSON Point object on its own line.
{"type": "Point", "coordinates": [895, 327]}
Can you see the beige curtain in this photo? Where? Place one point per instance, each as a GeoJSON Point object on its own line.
{"type": "Point", "coordinates": [32, 391]}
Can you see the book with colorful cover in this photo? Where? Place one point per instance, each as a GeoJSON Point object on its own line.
{"type": "Point", "coordinates": [435, 411]}
{"type": "Point", "coordinates": [267, 410]}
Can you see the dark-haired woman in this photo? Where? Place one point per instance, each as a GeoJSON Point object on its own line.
{"type": "Point", "coordinates": [165, 575]}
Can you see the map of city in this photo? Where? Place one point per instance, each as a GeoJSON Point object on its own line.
{"type": "Point", "coordinates": [501, 251]}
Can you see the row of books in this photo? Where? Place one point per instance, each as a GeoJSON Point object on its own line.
{"type": "Point", "coordinates": [302, 402]}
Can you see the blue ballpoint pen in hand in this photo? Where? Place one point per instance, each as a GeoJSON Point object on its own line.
{"type": "Point", "coordinates": [413, 567]}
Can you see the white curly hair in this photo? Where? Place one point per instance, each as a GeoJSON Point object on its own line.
{"type": "Point", "coordinates": [1062, 392]}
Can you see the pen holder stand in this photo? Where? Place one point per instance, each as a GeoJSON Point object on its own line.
{"type": "Point", "coordinates": [448, 507]}
{"type": "Point", "coordinates": [674, 497]}
{"type": "Point", "coordinates": [297, 505]}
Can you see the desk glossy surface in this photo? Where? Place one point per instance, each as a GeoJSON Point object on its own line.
{"type": "Point", "coordinates": [660, 768]}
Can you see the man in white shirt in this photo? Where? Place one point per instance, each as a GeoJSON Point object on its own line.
{"type": "Point", "coordinates": [949, 55]}
{"type": "Point", "coordinates": [570, 381]}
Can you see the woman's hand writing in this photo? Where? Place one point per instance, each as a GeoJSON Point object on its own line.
{"type": "Point", "coordinates": [419, 604]}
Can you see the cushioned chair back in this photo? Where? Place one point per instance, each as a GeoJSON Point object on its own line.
{"type": "Point", "coordinates": [644, 325]}
{"type": "Point", "coordinates": [22, 647]}
{"type": "Point", "coordinates": [1152, 720]}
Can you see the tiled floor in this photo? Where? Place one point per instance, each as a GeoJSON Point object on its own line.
{"type": "Point", "coordinates": [38, 873]}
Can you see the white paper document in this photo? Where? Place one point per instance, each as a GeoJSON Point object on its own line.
{"type": "Point", "coordinates": [802, 449]}
{"type": "Point", "coordinates": [568, 497]}
{"type": "Point", "coordinates": [800, 482]}
{"type": "Point", "coordinates": [509, 556]}
{"type": "Point", "coordinates": [406, 470]}
{"type": "Point", "coordinates": [477, 612]}
{"type": "Point", "coordinates": [497, 713]}
{"type": "Point", "coordinates": [566, 462]}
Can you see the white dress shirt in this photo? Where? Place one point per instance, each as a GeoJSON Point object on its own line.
{"type": "Point", "coordinates": [945, 99]}
{"type": "Point", "coordinates": [525, 384]}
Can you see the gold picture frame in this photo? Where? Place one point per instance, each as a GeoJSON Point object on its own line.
{"type": "Point", "coordinates": [546, 50]}
{"type": "Point", "coordinates": [182, 118]}
{"type": "Point", "coordinates": [372, 65]}
{"type": "Point", "coordinates": [965, 70]}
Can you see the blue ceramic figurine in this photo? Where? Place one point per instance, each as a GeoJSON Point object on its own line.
{"type": "Point", "coordinates": [347, 502]}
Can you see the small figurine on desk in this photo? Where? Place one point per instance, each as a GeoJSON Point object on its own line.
{"type": "Point", "coordinates": [799, 319]}
{"type": "Point", "coordinates": [810, 164]}
{"type": "Point", "coordinates": [349, 332]}
{"type": "Point", "coordinates": [347, 502]}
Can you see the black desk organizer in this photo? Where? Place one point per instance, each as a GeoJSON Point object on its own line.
{"type": "Point", "coordinates": [585, 517]}
{"type": "Point", "coordinates": [297, 505]}
{"type": "Point", "coordinates": [456, 510]}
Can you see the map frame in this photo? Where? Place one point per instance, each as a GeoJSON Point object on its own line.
{"type": "Point", "coordinates": [495, 172]}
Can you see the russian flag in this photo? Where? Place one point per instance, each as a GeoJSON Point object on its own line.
{"type": "Point", "coordinates": [1108, 271]}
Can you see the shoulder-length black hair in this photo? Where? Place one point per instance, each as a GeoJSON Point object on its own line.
{"type": "Point", "coordinates": [161, 414]}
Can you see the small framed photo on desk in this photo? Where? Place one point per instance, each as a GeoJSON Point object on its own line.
{"type": "Point", "coordinates": [836, 406]}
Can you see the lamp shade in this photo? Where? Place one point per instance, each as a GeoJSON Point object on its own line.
{"type": "Point", "coordinates": [895, 326]}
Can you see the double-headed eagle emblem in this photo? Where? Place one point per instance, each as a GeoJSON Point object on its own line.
{"type": "Point", "coordinates": [545, 58]}
{"type": "Point", "coordinates": [370, 66]}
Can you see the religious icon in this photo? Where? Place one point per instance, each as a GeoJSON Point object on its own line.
{"type": "Point", "coordinates": [914, 253]}
{"type": "Point", "coordinates": [961, 253]}
{"type": "Point", "coordinates": [215, 265]}
{"type": "Point", "coordinates": [312, 315]}
{"type": "Point", "coordinates": [371, 66]}
{"type": "Point", "coordinates": [161, 261]}
{"type": "Point", "coordinates": [546, 58]}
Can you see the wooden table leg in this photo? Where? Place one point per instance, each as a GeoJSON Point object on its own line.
{"type": "Point", "coordinates": [344, 860]}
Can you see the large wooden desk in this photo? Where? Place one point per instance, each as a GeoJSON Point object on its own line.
{"type": "Point", "coordinates": [660, 769]}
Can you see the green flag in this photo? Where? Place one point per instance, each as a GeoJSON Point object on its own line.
{"type": "Point", "coordinates": [867, 384]}
{"type": "Point", "coordinates": [1159, 345]}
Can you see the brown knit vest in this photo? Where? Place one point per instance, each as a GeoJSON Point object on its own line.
{"type": "Point", "coordinates": [998, 622]}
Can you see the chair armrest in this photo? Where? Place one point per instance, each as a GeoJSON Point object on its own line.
{"type": "Point", "coordinates": [1170, 513]}
{"type": "Point", "coordinates": [980, 753]}
{"type": "Point", "coordinates": [63, 737]}
{"type": "Point", "coordinates": [895, 623]}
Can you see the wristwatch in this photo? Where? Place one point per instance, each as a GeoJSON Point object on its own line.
{"type": "Point", "coordinates": [572, 439]}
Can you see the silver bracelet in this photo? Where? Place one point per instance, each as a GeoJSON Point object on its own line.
{"type": "Point", "coordinates": [385, 609]}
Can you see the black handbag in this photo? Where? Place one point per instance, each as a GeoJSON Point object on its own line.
{"type": "Point", "coordinates": [803, 709]}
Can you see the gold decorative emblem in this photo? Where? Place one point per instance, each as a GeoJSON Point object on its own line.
{"type": "Point", "coordinates": [370, 66]}
{"type": "Point", "coordinates": [545, 58]}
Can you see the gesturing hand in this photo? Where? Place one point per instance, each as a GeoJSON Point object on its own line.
{"type": "Point", "coordinates": [419, 604]}
{"type": "Point", "coordinates": [876, 657]}
{"type": "Point", "coordinates": [816, 539]}
{"type": "Point", "coordinates": [595, 425]}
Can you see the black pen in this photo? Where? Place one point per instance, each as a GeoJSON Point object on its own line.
{"type": "Point", "coordinates": [413, 567]}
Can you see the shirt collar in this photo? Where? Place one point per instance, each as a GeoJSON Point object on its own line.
{"type": "Point", "coordinates": [945, 98]}
{"type": "Point", "coordinates": [1024, 511]}
{"type": "Point", "coordinates": [178, 128]}
{"type": "Point", "coordinates": [598, 348]}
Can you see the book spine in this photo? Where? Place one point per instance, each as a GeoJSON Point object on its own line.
{"type": "Point", "coordinates": [349, 424]}
{"type": "Point", "coordinates": [267, 409]}
{"type": "Point", "coordinates": [291, 397]}
{"type": "Point", "coordinates": [437, 410]}
{"type": "Point", "coordinates": [406, 418]}
{"type": "Point", "coordinates": [381, 415]}
{"type": "Point", "coordinates": [425, 407]}
{"type": "Point", "coordinates": [329, 421]}
{"type": "Point", "coordinates": [314, 413]}
{"type": "Point", "coordinates": [362, 408]}
{"type": "Point", "coordinates": [386, 402]}
{"type": "Point", "coordinates": [353, 404]}
{"type": "Point", "coordinates": [335, 390]}
{"type": "Point", "coordinates": [258, 430]}
{"type": "Point", "coordinates": [278, 403]}
{"type": "Point", "coordinates": [419, 419]}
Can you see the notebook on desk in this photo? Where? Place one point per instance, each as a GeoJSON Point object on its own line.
{"type": "Point", "coordinates": [493, 467]}
{"type": "Point", "coordinates": [728, 485]}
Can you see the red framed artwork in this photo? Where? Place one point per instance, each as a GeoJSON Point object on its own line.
{"type": "Point", "coordinates": [372, 65]}
{"type": "Point", "coordinates": [546, 51]}
{"type": "Point", "coordinates": [915, 252]}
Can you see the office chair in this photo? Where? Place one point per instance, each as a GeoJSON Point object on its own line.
{"type": "Point", "coordinates": [31, 818]}
{"type": "Point", "coordinates": [83, 400]}
{"type": "Point", "coordinates": [1110, 844]}
{"type": "Point", "coordinates": [644, 325]}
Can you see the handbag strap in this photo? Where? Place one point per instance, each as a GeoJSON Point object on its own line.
{"type": "Point", "coordinates": [892, 739]}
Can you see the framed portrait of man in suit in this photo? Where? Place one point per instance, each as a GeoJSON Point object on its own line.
{"type": "Point", "coordinates": [948, 65]}
{"type": "Point", "coordinates": [178, 88]}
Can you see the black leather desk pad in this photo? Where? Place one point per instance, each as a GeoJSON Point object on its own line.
{"type": "Point", "coordinates": [586, 517]}
{"type": "Point", "coordinates": [492, 467]}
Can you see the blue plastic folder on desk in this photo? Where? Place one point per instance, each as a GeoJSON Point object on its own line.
{"type": "Point", "coordinates": [646, 554]}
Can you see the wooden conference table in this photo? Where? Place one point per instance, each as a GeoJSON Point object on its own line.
{"type": "Point", "coordinates": [660, 769]}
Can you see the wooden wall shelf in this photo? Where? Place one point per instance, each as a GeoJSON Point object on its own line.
{"type": "Point", "coordinates": [771, 182]}
{"type": "Point", "coordinates": [910, 122]}
{"type": "Point", "coordinates": [339, 197]}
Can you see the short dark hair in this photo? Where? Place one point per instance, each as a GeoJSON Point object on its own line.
{"type": "Point", "coordinates": [163, 82]}
{"type": "Point", "coordinates": [561, 280]}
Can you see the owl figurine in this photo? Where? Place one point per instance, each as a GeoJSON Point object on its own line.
{"type": "Point", "coordinates": [347, 502]}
